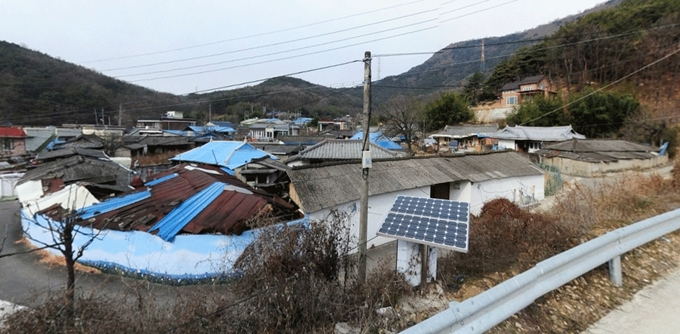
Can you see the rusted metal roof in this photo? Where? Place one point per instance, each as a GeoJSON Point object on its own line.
{"type": "Point", "coordinates": [191, 199]}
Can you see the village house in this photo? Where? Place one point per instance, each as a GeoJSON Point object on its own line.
{"type": "Point", "coordinates": [474, 178]}
{"type": "Point", "coordinates": [597, 157]}
{"type": "Point", "coordinates": [172, 120]}
{"type": "Point", "coordinates": [530, 139]}
{"type": "Point", "coordinates": [514, 93]}
{"type": "Point", "coordinates": [464, 137]}
{"type": "Point", "coordinates": [12, 141]}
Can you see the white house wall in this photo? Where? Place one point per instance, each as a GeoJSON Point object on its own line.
{"type": "Point", "coordinates": [509, 144]}
{"type": "Point", "coordinates": [515, 189]}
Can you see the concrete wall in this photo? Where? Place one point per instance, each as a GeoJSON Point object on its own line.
{"type": "Point", "coordinates": [594, 169]}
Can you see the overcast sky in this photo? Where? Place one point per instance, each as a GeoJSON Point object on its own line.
{"type": "Point", "coordinates": [186, 46]}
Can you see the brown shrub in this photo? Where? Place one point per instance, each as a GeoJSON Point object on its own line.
{"type": "Point", "coordinates": [505, 236]}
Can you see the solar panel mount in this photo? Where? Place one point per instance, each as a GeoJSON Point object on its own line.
{"type": "Point", "coordinates": [429, 221]}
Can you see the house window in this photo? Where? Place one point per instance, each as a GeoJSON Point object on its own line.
{"type": "Point", "coordinates": [526, 88]}
{"type": "Point", "coordinates": [7, 144]}
{"type": "Point", "coordinates": [511, 100]}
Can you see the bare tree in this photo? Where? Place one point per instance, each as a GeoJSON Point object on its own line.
{"type": "Point", "coordinates": [65, 235]}
{"type": "Point", "coordinates": [402, 115]}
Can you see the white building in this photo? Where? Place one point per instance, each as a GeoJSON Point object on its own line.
{"type": "Point", "coordinates": [476, 179]}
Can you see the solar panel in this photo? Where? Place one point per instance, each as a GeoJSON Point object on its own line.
{"type": "Point", "coordinates": [430, 221]}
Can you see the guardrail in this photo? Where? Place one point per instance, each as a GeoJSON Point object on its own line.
{"type": "Point", "coordinates": [482, 312]}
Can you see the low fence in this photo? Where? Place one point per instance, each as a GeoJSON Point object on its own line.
{"type": "Point", "coordinates": [486, 310]}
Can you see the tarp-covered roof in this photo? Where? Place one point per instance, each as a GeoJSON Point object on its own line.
{"type": "Point", "coordinates": [193, 199]}
{"type": "Point", "coordinates": [380, 139]}
{"type": "Point", "coordinates": [537, 133]}
{"type": "Point", "coordinates": [228, 154]}
{"type": "Point", "coordinates": [325, 186]}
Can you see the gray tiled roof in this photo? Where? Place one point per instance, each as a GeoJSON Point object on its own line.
{"type": "Point", "coordinates": [462, 131]}
{"type": "Point", "coordinates": [598, 150]}
{"type": "Point", "coordinates": [321, 187]}
{"type": "Point", "coordinates": [344, 149]}
{"type": "Point", "coordinates": [538, 133]}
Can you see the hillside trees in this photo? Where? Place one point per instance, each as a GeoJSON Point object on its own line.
{"type": "Point", "coordinates": [601, 114]}
{"type": "Point", "coordinates": [449, 108]}
{"type": "Point", "coordinates": [539, 111]}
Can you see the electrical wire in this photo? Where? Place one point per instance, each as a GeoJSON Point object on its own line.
{"type": "Point", "coordinates": [255, 35]}
{"type": "Point", "coordinates": [282, 43]}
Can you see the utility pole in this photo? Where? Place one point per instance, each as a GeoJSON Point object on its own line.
{"type": "Point", "coordinates": [120, 113]}
{"type": "Point", "coordinates": [209, 112]}
{"type": "Point", "coordinates": [365, 167]}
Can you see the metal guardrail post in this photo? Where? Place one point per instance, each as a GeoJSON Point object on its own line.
{"type": "Point", "coordinates": [615, 274]}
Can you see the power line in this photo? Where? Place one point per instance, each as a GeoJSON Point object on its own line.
{"type": "Point", "coordinates": [279, 43]}
{"type": "Point", "coordinates": [284, 58]}
{"type": "Point", "coordinates": [479, 11]}
{"type": "Point", "coordinates": [279, 52]}
{"type": "Point", "coordinates": [254, 35]}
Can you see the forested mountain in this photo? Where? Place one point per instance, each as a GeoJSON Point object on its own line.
{"type": "Point", "coordinates": [37, 89]}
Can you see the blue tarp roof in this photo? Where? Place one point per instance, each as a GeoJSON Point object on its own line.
{"type": "Point", "coordinates": [229, 154]}
{"type": "Point", "coordinates": [203, 129]}
{"type": "Point", "coordinates": [181, 215]}
{"type": "Point", "coordinates": [379, 139]}
{"type": "Point", "coordinates": [112, 204]}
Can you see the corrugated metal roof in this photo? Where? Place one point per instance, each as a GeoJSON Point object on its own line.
{"type": "Point", "coordinates": [195, 199]}
{"type": "Point", "coordinates": [229, 154]}
{"type": "Point", "coordinates": [325, 186]}
{"type": "Point", "coordinates": [181, 215]}
{"type": "Point", "coordinates": [112, 204]}
{"type": "Point", "coordinates": [341, 149]}
{"type": "Point", "coordinates": [537, 133]}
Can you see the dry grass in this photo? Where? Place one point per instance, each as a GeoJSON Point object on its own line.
{"type": "Point", "coordinates": [581, 212]}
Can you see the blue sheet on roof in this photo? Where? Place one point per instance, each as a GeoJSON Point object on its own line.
{"type": "Point", "coordinates": [379, 139]}
{"type": "Point", "coordinates": [112, 204]}
{"type": "Point", "coordinates": [181, 215]}
{"type": "Point", "coordinates": [160, 180]}
{"type": "Point", "coordinates": [230, 154]}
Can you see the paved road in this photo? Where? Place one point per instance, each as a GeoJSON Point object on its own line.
{"type": "Point", "coordinates": [653, 310]}
{"type": "Point", "coordinates": [25, 281]}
